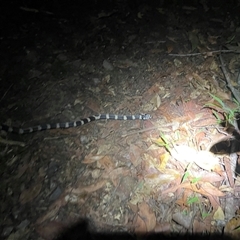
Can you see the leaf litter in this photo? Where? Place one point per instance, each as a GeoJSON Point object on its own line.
{"type": "Point", "coordinates": [128, 175]}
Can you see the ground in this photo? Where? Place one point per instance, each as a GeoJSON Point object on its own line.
{"type": "Point", "coordinates": [169, 176]}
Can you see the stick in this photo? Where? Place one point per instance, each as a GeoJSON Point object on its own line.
{"type": "Point", "coordinates": [235, 93]}
{"type": "Point", "coordinates": [203, 53]}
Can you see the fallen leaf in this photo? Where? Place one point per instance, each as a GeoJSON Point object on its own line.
{"type": "Point", "coordinates": [200, 137]}
{"type": "Point", "coordinates": [193, 38]}
{"type": "Point", "coordinates": [183, 219]}
{"type": "Point", "coordinates": [50, 214]}
{"type": "Point", "coordinates": [104, 14]}
{"type": "Point", "coordinates": [93, 105]}
{"type": "Point", "coordinates": [151, 163]}
{"type": "Point", "coordinates": [140, 15]}
{"type": "Point", "coordinates": [164, 160]}
{"type": "Point", "coordinates": [139, 225]}
{"type": "Point", "coordinates": [219, 214]}
{"type": "Point", "coordinates": [29, 194]}
{"type": "Point", "coordinates": [162, 227]}
{"type": "Point", "coordinates": [160, 178]}
{"type": "Point", "coordinates": [161, 10]}
{"type": "Point", "coordinates": [116, 174]}
{"type": "Point", "coordinates": [209, 189]}
{"type": "Point", "coordinates": [210, 177]}
{"type": "Point", "coordinates": [90, 188]}
{"type": "Point", "coordinates": [107, 163]}
{"type": "Point", "coordinates": [156, 101]}
{"type": "Point", "coordinates": [203, 188]}
{"type": "Point", "coordinates": [90, 158]}
{"type": "Point", "coordinates": [135, 154]}
{"type": "Point", "coordinates": [147, 215]}
{"type": "Point", "coordinates": [169, 48]}
{"type": "Point", "coordinates": [53, 209]}
{"type": "Point", "coordinates": [228, 170]}
{"type": "Point", "coordinates": [200, 227]}
{"type": "Point", "coordinates": [21, 170]}
{"type": "Point", "coordinates": [51, 230]}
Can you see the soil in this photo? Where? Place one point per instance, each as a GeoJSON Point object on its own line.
{"type": "Point", "coordinates": [172, 176]}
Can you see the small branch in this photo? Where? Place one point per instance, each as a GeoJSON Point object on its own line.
{"type": "Point", "coordinates": [235, 93]}
{"type": "Point", "coordinates": [10, 142]}
{"type": "Point", "coordinates": [210, 53]}
{"type": "Point", "coordinates": [6, 93]}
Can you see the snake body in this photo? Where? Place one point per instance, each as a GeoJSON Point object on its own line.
{"type": "Point", "coordinates": [78, 123]}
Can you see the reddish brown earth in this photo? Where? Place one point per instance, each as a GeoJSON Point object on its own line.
{"type": "Point", "coordinates": [172, 176]}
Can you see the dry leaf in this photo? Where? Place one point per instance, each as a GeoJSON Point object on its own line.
{"type": "Point", "coordinates": [172, 39]}
{"type": "Point", "coordinates": [104, 14]}
{"type": "Point", "coordinates": [53, 209]}
{"type": "Point", "coordinates": [92, 104]}
{"type": "Point", "coordinates": [200, 137]}
{"type": "Point", "coordinates": [151, 163]}
{"type": "Point", "coordinates": [135, 154]}
{"type": "Point", "coordinates": [228, 170]}
{"type": "Point", "coordinates": [163, 160]}
{"type": "Point", "coordinates": [29, 194]}
{"type": "Point", "coordinates": [151, 91]}
{"type": "Point", "coordinates": [21, 170]}
{"type": "Point", "coordinates": [210, 177]}
{"type": "Point", "coordinates": [183, 219]}
{"type": "Point", "coordinates": [107, 163]}
{"type": "Point", "coordinates": [116, 174]}
{"type": "Point", "coordinates": [147, 215]}
{"type": "Point", "coordinates": [169, 48]}
{"type": "Point", "coordinates": [203, 188]}
{"type": "Point", "coordinates": [161, 10]}
{"type": "Point", "coordinates": [158, 179]}
{"type": "Point", "coordinates": [50, 230]}
{"type": "Point", "coordinates": [209, 189]}
{"type": "Point", "coordinates": [140, 15]}
{"type": "Point", "coordinates": [90, 188]}
{"type": "Point", "coordinates": [139, 225]}
{"type": "Point", "coordinates": [90, 158]}
{"type": "Point", "coordinates": [193, 38]}
{"type": "Point", "coordinates": [162, 227]}
{"type": "Point", "coordinates": [156, 101]}
{"type": "Point", "coordinates": [219, 214]}
{"type": "Point", "coordinates": [200, 227]}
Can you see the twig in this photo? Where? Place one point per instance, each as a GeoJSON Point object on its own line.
{"type": "Point", "coordinates": [203, 53]}
{"type": "Point", "coordinates": [150, 42]}
{"type": "Point", "coordinates": [6, 92]}
{"type": "Point", "coordinates": [10, 142]}
{"type": "Point", "coordinates": [235, 93]}
{"type": "Point", "coordinates": [162, 128]}
{"type": "Point", "coordinates": [34, 10]}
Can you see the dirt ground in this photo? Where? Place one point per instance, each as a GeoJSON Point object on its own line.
{"type": "Point", "coordinates": [172, 176]}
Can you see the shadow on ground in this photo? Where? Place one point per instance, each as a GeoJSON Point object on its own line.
{"type": "Point", "coordinates": [80, 231]}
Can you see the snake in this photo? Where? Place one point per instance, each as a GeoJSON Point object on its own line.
{"type": "Point", "coordinates": [80, 122]}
